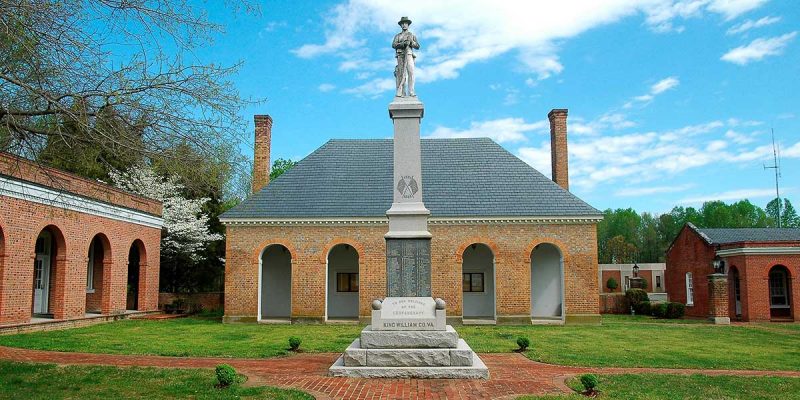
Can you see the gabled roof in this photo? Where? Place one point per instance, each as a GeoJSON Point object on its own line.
{"type": "Point", "coordinates": [737, 235]}
{"type": "Point", "coordinates": [460, 178]}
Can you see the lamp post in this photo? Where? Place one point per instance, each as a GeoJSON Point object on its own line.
{"type": "Point", "coordinates": [636, 281]}
{"type": "Point", "coordinates": [635, 270]}
{"type": "Point", "coordinates": [718, 264]}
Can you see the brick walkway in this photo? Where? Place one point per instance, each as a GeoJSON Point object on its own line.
{"type": "Point", "coordinates": [512, 375]}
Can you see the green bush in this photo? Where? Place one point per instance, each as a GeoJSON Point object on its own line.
{"type": "Point", "coordinates": [675, 310]}
{"type": "Point", "coordinates": [634, 297]}
{"type": "Point", "coordinates": [523, 343]}
{"type": "Point", "coordinates": [659, 309]}
{"type": "Point", "coordinates": [226, 375]}
{"type": "Point", "coordinates": [589, 382]}
{"type": "Point", "coordinates": [643, 308]}
{"type": "Point", "coordinates": [644, 283]}
{"type": "Point", "coordinates": [612, 284]}
{"type": "Point", "coordinates": [294, 343]}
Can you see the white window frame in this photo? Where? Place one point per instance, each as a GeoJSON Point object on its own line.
{"type": "Point", "coordinates": [689, 289]}
{"type": "Point", "coordinates": [90, 270]}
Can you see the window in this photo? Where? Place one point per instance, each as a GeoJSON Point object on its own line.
{"type": "Point", "coordinates": [777, 289]}
{"type": "Point", "coordinates": [347, 282]}
{"type": "Point", "coordinates": [689, 289]}
{"type": "Point", "coordinates": [473, 282]}
{"type": "Point", "coordinates": [658, 281]}
{"type": "Point", "coordinates": [90, 270]}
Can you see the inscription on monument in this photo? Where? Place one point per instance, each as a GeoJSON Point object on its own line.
{"type": "Point", "coordinates": [408, 313]}
{"type": "Point", "coordinates": [408, 267]}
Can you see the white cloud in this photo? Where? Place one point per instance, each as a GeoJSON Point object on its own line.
{"type": "Point", "coordinates": [738, 138]}
{"type": "Point", "coordinates": [656, 89]}
{"type": "Point", "coordinates": [502, 130]}
{"type": "Point", "coordinates": [636, 158]}
{"type": "Point", "coordinates": [758, 49]}
{"type": "Point", "coordinates": [372, 88]}
{"type": "Point", "coordinates": [455, 34]}
{"type": "Point", "coordinates": [646, 191]}
{"type": "Point", "coordinates": [732, 195]}
{"type": "Point", "coordinates": [733, 8]}
{"type": "Point", "coordinates": [751, 24]}
{"type": "Point", "coordinates": [326, 87]}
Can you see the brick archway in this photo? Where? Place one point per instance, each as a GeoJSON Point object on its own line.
{"type": "Point", "coordinates": [342, 261]}
{"type": "Point", "coordinates": [99, 264]}
{"type": "Point", "coordinates": [459, 253]}
{"type": "Point", "coordinates": [259, 250]}
{"type": "Point", "coordinates": [779, 292]}
{"type": "Point", "coordinates": [326, 250]}
{"type": "Point", "coordinates": [48, 286]}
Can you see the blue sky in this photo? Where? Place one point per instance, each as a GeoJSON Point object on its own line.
{"type": "Point", "coordinates": [670, 102]}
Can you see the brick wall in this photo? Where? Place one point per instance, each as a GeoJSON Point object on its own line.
{"type": "Point", "coordinates": [511, 244]}
{"type": "Point", "coordinates": [613, 303]}
{"type": "Point", "coordinates": [194, 301]}
{"type": "Point", "coordinates": [689, 253]}
{"type": "Point", "coordinates": [22, 221]}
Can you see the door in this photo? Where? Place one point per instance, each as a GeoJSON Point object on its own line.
{"type": "Point", "coordinates": [41, 275]}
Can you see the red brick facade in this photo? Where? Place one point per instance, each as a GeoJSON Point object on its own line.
{"type": "Point", "coordinates": [22, 220]}
{"type": "Point", "coordinates": [511, 244]}
{"type": "Point", "coordinates": [690, 253]}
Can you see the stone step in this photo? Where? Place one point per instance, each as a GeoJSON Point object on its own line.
{"type": "Point", "coordinates": [460, 356]}
{"type": "Point", "coordinates": [477, 370]}
{"type": "Point", "coordinates": [409, 339]}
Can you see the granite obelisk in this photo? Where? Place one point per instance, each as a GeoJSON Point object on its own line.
{"type": "Point", "coordinates": [408, 242]}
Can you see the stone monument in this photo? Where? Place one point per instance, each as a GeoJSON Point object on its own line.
{"type": "Point", "coordinates": [408, 336]}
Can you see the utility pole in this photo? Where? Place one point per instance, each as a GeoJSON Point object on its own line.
{"type": "Point", "coordinates": [777, 167]}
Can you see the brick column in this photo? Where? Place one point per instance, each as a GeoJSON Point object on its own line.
{"type": "Point", "coordinates": [558, 147]}
{"type": "Point", "coordinates": [261, 151]}
{"type": "Point", "coordinates": [718, 299]}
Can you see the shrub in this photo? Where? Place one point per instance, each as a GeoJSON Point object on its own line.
{"type": "Point", "coordinates": [589, 382]}
{"type": "Point", "coordinates": [294, 343]}
{"type": "Point", "coordinates": [523, 343]}
{"type": "Point", "coordinates": [643, 308]}
{"type": "Point", "coordinates": [636, 296]}
{"type": "Point", "coordinates": [226, 375]}
{"type": "Point", "coordinates": [644, 283]}
{"type": "Point", "coordinates": [658, 310]}
{"type": "Point", "coordinates": [675, 310]}
{"type": "Point", "coordinates": [612, 284]}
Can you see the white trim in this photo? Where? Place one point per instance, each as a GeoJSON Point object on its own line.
{"type": "Point", "coordinates": [431, 220]}
{"type": "Point", "coordinates": [689, 289]}
{"type": "Point", "coordinates": [90, 269]}
{"type": "Point", "coordinates": [41, 195]}
{"type": "Point", "coordinates": [758, 251]}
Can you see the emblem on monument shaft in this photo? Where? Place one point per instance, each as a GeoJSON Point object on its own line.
{"type": "Point", "coordinates": [407, 186]}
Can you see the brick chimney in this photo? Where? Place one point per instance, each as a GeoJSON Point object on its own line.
{"type": "Point", "coordinates": [558, 146]}
{"type": "Point", "coordinates": [261, 151]}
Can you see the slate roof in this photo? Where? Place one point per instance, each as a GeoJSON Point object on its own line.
{"type": "Point", "coordinates": [736, 235]}
{"type": "Point", "coordinates": [460, 178]}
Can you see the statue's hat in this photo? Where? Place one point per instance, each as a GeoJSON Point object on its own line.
{"type": "Point", "coordinates": [404, 19]}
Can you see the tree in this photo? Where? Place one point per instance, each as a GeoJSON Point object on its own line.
{"type": "Point", "coordinates": [612, 284]}
{"type": "Point", "coordinates": [619, 251]}
{"type": "Point", "coordinates": [185, 235]}
{"type": "Point", "coordinates": [280, 166]}
{"type": "Point", "coordinates": [788, 214]}
{"type": "Point", "coordinates": [109, 78]}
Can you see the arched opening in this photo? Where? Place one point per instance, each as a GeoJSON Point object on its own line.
{"type": "Point", "coordinates": [477, 282]}
{"type": "Point", "coordinates": [547, 282]}
{"type": "Point", "coordinates": [49, 260]}
{"type": "Point", "coordinates": [342, 298]}
{"type": "Point", "coordinates": [137, 259]}
{"type": "Point", "coordinates": [735, 291]}
{"type": "Point", "coordinates": [780, 289]}
{"type": "Point", "coordinates": [275, 289]}
{"type": "Point", "coordinates": [98, 259]}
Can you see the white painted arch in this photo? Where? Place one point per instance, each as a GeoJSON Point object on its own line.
{"type": "Point", "coordinates": [547, 282]}
{"type": "Point", "coordinates": [275, 283]}
{"type": "Point", "coordinates": [479, 258]}
{"type": "Point", "coordinates": [342, 258]}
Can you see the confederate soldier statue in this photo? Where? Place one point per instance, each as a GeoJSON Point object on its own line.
{"type": "Point", "coordinates": [404, 44]}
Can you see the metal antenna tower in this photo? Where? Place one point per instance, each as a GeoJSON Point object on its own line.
{"type": "Point", "coordinates": [776, 165]}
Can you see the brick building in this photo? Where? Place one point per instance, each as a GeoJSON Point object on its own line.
{"type": "Point", "coordinates": [509, 245]}
{"type": "Point", "coordinates": [70, 246]}
{"type": "Point", "coordinates": [761, 266]}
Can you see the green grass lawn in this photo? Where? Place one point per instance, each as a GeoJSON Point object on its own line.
{"type": "Point", "coordinates": [677, 387]}
{"type": "Point", "coordinates": [47, 381]}
{"type": "Point", "coordinates": [620, 342]}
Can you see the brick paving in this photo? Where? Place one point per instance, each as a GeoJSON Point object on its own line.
{"type": "Point", "coordinates": [512, 375]}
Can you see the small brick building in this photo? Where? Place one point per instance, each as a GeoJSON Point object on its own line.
{"type": "Point", "coordinates": [509, 245]}
{"type": "Point", "coordinates": [70, 246]}
{"type": "Point", "coordinates": [761, 267]}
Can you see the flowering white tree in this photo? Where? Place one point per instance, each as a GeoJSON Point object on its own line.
{"type": "Point", "coordinates": [185, 225]}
